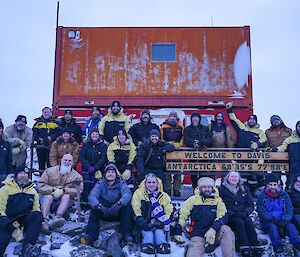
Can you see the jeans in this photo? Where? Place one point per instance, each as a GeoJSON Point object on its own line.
{"type": "Point", "coordinates": [87, 185]}
{"type": "Point", "coordinates": [272, 230]}
{"type": "Point", "coordinates": [154, 236]}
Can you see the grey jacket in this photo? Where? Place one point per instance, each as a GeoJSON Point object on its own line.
{"type": "Point", "coordinates": [109, 195]}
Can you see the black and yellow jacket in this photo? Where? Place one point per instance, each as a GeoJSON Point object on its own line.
{"type": "Point", "coordinates": [172, 134]}
{"type": "Point", "coordinates": [205, 213]}
{"type": "Point", "coordinates": [141, 204]}
{"type": "Point", "coordinates": [111, 124]}
{"type": "Point", "coordinates": [245, 134]}
{"type": "Point", "coordinates": [122, 156]}
{"type": "Point", "coordinates": [16, 202]}
{"type": "Point", "coordinates": [48, 130]}
{"type": "Point", "coordinates": [292, 146]}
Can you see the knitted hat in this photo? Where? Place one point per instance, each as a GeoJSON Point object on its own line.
{"type": "Point", "coordinates": [66, 130]}
{"type": "Point", "coordinates": [173, 114]}
{"type": "Point", "coordinates": [116, 104]}
{"type": "Point", "coordinates": [154, 132]}
{"type": "Point", "coordinates": [272, 178]}
{"type": "Point", "coordinates": [22, 168]}
{"type": "Point", "coordinates": [253, 116]}
{"type": "Point", "coordinates": [206, 181]}
{"type": "Point", "coordinates": [21, 118]}
{"type": "Point", "coordinates": [196, 114]}
{"type": "Point", "coordinates": [98, 108]}
{"type": "Point", "coordinates": [122, 131]}
{"type": "Point", "coordinates": [111, 166]}
{"type": "Point", "coordinates": [145, 111]}
{"type": "Point", "coordinates": [68, 112]}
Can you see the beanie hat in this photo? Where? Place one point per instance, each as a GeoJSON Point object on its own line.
{"type": "Point", "coordinates": [68, 112]}
{"type": "Point", "coordinates": [272, 178]}
{"type": "Point", "coordinates": [66, 130]}
{"type": "Point", "coordinates": [206, 181]}
{"type": "Point", "coordinates": [173, 114]}
{"type": "Point", "coordinates": [122, 131]}
{"type": "Point", "coordinates": [98, 108]}
{"type": "Point", "coordinates": [1, 124]}
{"type": "Point", "coordinates": [145, 111]}
{"type": "Point", "coordinates": [253, 116]}
{"type": "Point", "coordinates": [116, 104]}
{"type": "Point", "coordinates": [22, 168]}
{"type": "Point", "coordinates": [111, 166]}
{"type": "Point", "coordinates": [94, 130]}
{"type": "Point", "coordinates": [154, 132]}
{"type": "Point", "coordinates": [21, 118]}
{"type": "Point", "coordinates": [196, 114]}
{"type": "Point", "coordinates": [275, 117]}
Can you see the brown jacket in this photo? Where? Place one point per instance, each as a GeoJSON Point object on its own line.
{"type": "Point", "coordinates": [275, 138]}
{"type": "Point", "coordinates": [52, 177]}
{"type": "Point", "coordinates": [19, 142]}
{"type": "Point", "coordinates": [218, 139]}
{"type": "Point", "coordinates": [59, 148]}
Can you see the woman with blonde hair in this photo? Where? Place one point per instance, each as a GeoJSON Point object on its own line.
{"type": "Point", "coordinates": [239, 204]}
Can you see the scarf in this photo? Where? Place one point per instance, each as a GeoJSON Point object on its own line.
{"type": "Point", "coordinates": [158, 212]}
{"type": "Point", "coordinates": [233, 190]}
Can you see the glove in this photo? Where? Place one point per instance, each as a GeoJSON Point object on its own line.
{"type": "Point", "coordinates": [147, 226]}
{"type": "Point", "coordinates": [58, 192]}
{"type": "Point", "coordinates": [154, 223]}
{"type": "Point", "coordinates": [103, 209]}
{"type": "Point", "coordinates": [126, 174]}
{"type": "Point", "coordinates": [254, 145]}
{"type": "Point", "coordinates": [210, 236]}
{"type": "Point", "coordinates": [140, 221]}
{"type": "Point", "coordinates": [98, 175]}
{"type": "Point", "coordinates": [91, 170]}
{"type": "Point", "coordinates": [18, 233]}
{"type": "Point", "coordinates": [178, 239]}
{"type": "Point", "coordinates": [114, 210]}
{"type": "Point", "coordinates": [22, 145]}
{"type": "Point", "coordinates": [16, 150]}
{"type": "Point", "coordinates": [229, 105]}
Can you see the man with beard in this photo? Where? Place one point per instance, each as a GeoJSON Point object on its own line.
{"type": "Point", "coordinates": [92, 122]}
{"type": "Point", "coordinates": [58, 192]}
{"type": "Point", "coordinates": [223, 135]}
{"type": "Point", "coordinates": [198, 137]}
{"type": "Point", "coordinates": [115, 120]}
{"type": "Point", "coordinates": [67, 121]}
{"type": "Point", "coordinates": [292, 146]}
{"type": "Point", "coordinates": [5, 155]}
{"type": "Point", "coordinates": [141, 131]}
{"type": "Point", "coordinates": [151, 156]}
{"type": "Point", "coordinates": [45, 131]}
{"type": "Point", "coordinates": [208, 218]}
{"type": "Point", "coordinates": [294, 194]}
{"type": "Point", "coordinates": [21, 217]}
{"type": "Point", "coordinates": [20, 138]}
{"type": "Point", "coordinates": [275, 211]}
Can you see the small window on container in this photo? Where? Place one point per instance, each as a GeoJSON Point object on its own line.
{"type": "Point", "coordinates": [163, 52]}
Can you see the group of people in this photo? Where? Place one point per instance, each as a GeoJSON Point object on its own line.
{"type": "Point", "coordinates": [111, 149]}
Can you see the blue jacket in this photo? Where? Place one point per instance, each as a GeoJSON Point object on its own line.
{"type": "Point", "coordinates": [280, 207]}
{"type": "Point", "coordinates": [109, 195]}
{"type": "Point", "coordinates": [89, 125]}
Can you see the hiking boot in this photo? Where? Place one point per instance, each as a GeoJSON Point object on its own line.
{"type": "Point", "coordinates": [86, 240]}
{"type": "Point", "coordinates": [210, 248]}
{"type": "Point", "coordinates": [29, 250]}
{"type": "Point", "coordinates": [56, 222]}
{"type": "Point", "coordinates": [45, 228]}
{"type": "Point", "coordinates": [257, 251]}
{"type": "Point", "coordinates": [176, 193]}
{"type": "Point", "coordinates": [245, 251]}
{"type": "Point", "coordinates": [163, 250]}
{"type": "Point", "coordinates": [128, 239]}
{"type": "Point", "coordinates": [278, 248]}
{"type": "Point", "coordinates": [147, 250]}
{"type": "Point", "coordinates": [168, 191]}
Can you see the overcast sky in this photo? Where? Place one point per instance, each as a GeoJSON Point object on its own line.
{"type": "Point", "coordinates": [27, 45]}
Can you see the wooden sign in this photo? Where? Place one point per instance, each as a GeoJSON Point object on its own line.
{"type": "Point", "coordinates": [218, 155]}
{"type": "Point", "coordinates": [198, 166]}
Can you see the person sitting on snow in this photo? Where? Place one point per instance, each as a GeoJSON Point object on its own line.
{"type": "Point", "coordinates": [152, 208]}
{"type": "Point", "coordinates": [294, 193]}
{"type": "Point", "coordinates": [208, 218]}
{"type": "Point", "coordinates": [275, 211]}
{"type": "Point", "coordinates": [58, 192]}
{"type": "Point", "coordinates": [20, 212]}
{"type": "Point", "coordinates": [110, 201]}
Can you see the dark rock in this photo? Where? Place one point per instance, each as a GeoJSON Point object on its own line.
{"type": "Point", "coordinates": [87, 251]}
{"type": "Point", "coordinates": [57, 240]}
{"type": "Point", "coordinates": [72, 229]}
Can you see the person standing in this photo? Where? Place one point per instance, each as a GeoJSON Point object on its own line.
{"type": "Point", "coordinates": [92, 122]}
{"type": "Point", "coordinates": [69, 122]}
{"type": "Point", "coordinates": [5, 155]}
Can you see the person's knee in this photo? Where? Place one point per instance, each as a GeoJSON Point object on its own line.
{"type": "Point", "coordinates": [48, 199]}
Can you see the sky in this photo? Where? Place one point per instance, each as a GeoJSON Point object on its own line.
{"type": "Point", "coordinates": [28, 34]}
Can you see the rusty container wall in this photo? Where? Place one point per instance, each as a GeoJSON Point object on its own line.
{"type": "Point", "coordinates": [97, 65]}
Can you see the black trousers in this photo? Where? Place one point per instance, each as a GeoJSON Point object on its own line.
{"type": "Point", "coordinates": [125, 217]}
{"type": "Point", "coordinates": [32, 223]}
{"type": "Point", "coordinates": [244, 231]}
{"type": "Point", "coordinates": [43, 158]}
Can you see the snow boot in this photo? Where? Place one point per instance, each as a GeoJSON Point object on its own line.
{"type": "Point", "coordinates": [86, 239]}
{"type": "Point", "coordinates": [56, 222]}
{"type": "Point", "coordinates": [245, 251]}
{"type": "Point", "coordinates": [163, 250]}
{"type": "Point", "coordinates": [257, 251]}
{"type": "Point", "coordinates": [147, 250]}
{"type": "Point", "coordinates": [278, 250]}
{"type": "Point", "coordinates": [29, 250]}
{"type": "Point", "coordinates": [45, 227]}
